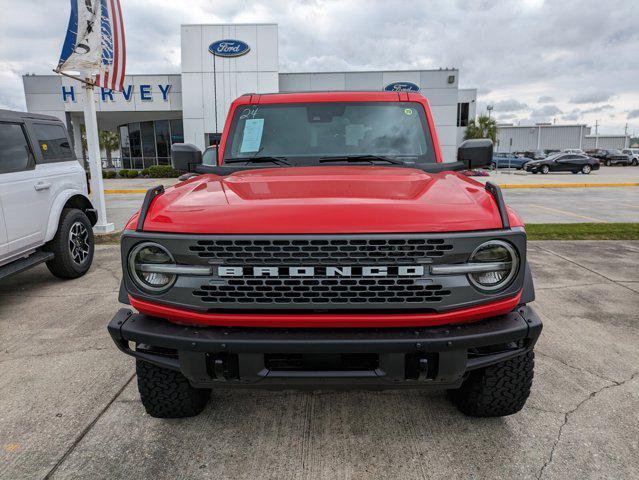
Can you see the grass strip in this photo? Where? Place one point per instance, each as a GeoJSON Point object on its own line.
{"type": "Point", "coordinates": [582, 231]}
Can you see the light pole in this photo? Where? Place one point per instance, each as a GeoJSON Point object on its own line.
{"type": "Point", "coordinates": [490, 109]}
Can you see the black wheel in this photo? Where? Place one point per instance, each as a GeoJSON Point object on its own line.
{"type": "Point", "coordinates": [534, 172]}
{"type": "Point", "coordinates": [586, 169]}
{"type": "Point", "coordinates": [72, 245]}
{"type": "Point", "coordinates": [168, 394]}
{"type": "Point", "coordinates": [574, 171]}
{"type": "Point", "coordinates": [498, 390]}
{"type": "Point", "coordinates": [545, 169]}
{"type": "Point", "coordinates": [607, 163]}
{"type": "Point", "coordinates": [493, 166]}
{"type": "Point", "coordinates": [635, 162]}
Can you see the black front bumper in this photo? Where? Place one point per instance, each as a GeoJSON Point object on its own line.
{"type": "Point", "coordinates": [314, 358]}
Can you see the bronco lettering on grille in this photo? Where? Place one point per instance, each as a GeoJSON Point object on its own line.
{"type": "Point", "coordinates": [323, 271]}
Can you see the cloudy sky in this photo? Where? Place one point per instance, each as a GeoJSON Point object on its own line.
{"type": "Point", "coordinates": [533, 60]}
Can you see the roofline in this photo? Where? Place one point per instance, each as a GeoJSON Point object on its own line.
{"type": "Point", "coordinates": [375, 71]}
{"type": "Point", "coordinates": [225, 24]}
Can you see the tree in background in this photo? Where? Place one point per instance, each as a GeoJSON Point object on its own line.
{"type": "Point", "coordinates": [482, 127]}
{"type": "Point", "coordinates": [109, 141]}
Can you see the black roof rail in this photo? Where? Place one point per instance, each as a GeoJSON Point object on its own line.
{"type": "Point", "coordinates": [495, 191]}
{"type": "Point", "coordinates": [151, 193]}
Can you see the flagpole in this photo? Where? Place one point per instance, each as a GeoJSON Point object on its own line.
{"type": "Point", "coordinates": [95, 163]}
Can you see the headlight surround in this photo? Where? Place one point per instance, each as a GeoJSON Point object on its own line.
{"type": "Point", "coordinates": [150, 253]}
{"type": "Point", "coordinates": [496, 251]}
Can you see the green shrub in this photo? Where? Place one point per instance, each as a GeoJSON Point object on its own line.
{"type": "Point", "coordinates": [108, 174]}
{"type": "Point", "coordinates": [144, 172]}
{"type": "Point", "coordinates": [123, 173]}
{"type": "Point", "coordinates": [163, 171]}
{"type": "Point", "coordinates": [131, 174]}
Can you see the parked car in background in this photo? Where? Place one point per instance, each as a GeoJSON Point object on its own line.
{"type": "Point", "coordinates": [508, 160]}
{"type": "Point", "coordinates": [45, 211]}
{"type": "Point", "coordinates": [577, 151]}
{"type": "Point", "coordinates": [633, 153]}
{"type": "Point", "coordinates": [532, 154]}
{"type": "Point", "coordinates": [563, 162]}
{"type": "Point", "coordinates": [610, 156]}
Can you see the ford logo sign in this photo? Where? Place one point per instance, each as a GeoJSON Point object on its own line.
{"type": "Point", "coordinates": [229, 48]}
{"type": "Point", "coordinates": [401, 87]}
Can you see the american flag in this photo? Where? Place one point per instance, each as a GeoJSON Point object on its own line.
{"type": "Point", "coordinates": [112, 68]}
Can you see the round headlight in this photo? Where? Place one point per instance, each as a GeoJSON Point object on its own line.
{"type": "Point", "coordinates": [142, 260]}
{"type": "Point", "coordinates": [497, 252]}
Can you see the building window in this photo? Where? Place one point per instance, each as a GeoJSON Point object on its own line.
{"type": "Point", "coordinates": [136, 145]}
{"type": "Point", "coordinates": [163, 142]}
{"type": "Point", "coordinates": [148, 141]}
{"type": "Point", "coordinates": [462, 114]}
{"type": "Point", "coordinates": [125, 148]}
{"type": "Point", "coordinates": [177, 133]}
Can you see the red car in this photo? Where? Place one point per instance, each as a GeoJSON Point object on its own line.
{"type": "Point", "coordinates": [328, 246]}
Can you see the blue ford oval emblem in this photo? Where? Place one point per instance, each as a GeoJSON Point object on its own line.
{"type": "Point", "coordinates": [401, 87]}
{"type": "Point", "coordinates": [229, 48]}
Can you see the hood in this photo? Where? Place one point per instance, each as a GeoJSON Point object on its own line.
{"type": "Point", "coordinates": [326, 199]}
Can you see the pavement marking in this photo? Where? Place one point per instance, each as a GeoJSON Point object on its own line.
{"type": "Point", "coordinates": [116, 191]}
{"type": "Point", "coordinates": [563, 212]}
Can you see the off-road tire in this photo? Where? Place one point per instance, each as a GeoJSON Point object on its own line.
{"type": "Point", "coordinates": [498, 390]}
{"type": "Point", "coordinates": [168, 394]}
{"type": "Point", "coordinates": [62, 265]}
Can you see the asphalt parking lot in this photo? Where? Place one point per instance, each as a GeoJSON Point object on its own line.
{"type": "Point", "coordinates": [69, 406]}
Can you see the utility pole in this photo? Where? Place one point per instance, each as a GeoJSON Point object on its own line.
{"type": "Point", "coordinates": [490, 109]}
{"type": "Point", "coordinates": [596, 133]}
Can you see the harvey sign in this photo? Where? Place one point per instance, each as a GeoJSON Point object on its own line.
{"type": "Point", "coordinates": [145, 93]}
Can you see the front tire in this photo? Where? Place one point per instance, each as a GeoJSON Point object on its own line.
{"type": "Point", "coordinates": [607, 163]}
{"type": "Point", "coordinates": [498, 390]}
{"type": "Point", "coordinates": [635, 162]}
{"type": "Point", "coordinates": [167, 393]}
{"type": "Point", "coordinates": [545, 169]}
{"type": "Point", "coordinates": [586, 169]}
{"type": "Point", "coordinates": [72, 245]}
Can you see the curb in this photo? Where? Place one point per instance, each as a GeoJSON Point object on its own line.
{"type": "Point", "coordinates": [117, 191]}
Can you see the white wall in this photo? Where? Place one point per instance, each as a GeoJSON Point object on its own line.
{"type": "Point", "coordinates": [206, 97]}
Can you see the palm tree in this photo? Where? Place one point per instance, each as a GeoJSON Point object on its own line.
{"type": "Point", "coordinates": [482, 127]}
{"type": "Point", "coordinates": [109, 141]}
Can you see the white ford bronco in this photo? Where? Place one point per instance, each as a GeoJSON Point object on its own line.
{"type": "Point", "coordinates": [45, 211]}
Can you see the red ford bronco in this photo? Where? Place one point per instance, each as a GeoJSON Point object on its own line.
{"type": "Point", "coordinates": [325, 244]}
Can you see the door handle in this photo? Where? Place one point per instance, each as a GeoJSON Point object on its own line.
{"type": "Point", "coordinates": [42, 186]}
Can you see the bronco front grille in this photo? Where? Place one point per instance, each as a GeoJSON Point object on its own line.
{"type": "Point", "coordinates": [335, 291]}
{"type": "Point", "coordinates": [347, 251]}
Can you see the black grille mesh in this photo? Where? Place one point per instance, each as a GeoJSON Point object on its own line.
{"type": "Point", "coordinates": [321, 251]}
{"type": "Point", "coordinates": [321, 290]}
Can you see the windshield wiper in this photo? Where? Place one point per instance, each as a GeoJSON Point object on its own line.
{"type": "Point", "coordinates": [275, 160]}
{"type": "Point", "coordinates": [360, 158]}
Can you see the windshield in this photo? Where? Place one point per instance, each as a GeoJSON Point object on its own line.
{"type": "Point", "coordinates": [309, 133]}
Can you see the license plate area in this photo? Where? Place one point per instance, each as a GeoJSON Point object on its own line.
{"type": "Point", "coordinates": [327, 362]}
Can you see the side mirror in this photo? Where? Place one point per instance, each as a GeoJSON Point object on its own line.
{"type": "Point", "coordinates": [185, 156]}
{"type": "Point", "coordinates": [476, 153]}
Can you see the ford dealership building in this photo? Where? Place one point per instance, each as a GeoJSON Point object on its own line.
{"type": "Point", "coordinates": [220, 63]}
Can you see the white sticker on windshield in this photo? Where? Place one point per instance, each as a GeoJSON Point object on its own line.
{"type": "Point", "coordinates": [252, 137]}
